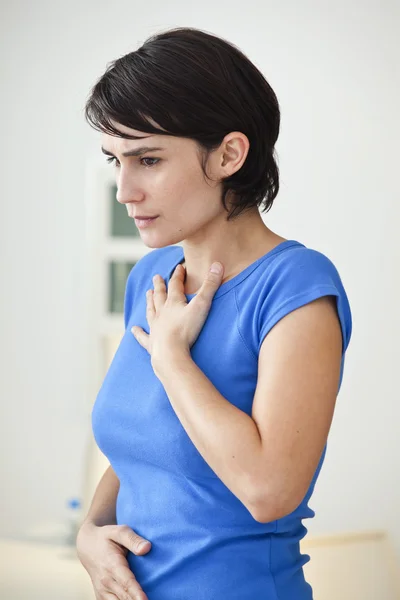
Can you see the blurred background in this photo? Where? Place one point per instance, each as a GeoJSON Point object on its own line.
{"type": "Point", "coordinates": [67, 247]}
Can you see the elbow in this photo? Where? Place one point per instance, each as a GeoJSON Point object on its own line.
{"type": "Point", "coordinates": [267, 509]}
{"type": "Point", "coordinates": [267, 515]}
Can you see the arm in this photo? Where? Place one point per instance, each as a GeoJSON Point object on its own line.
{"type": "Point", "coordinates": [226, 437]}
{"type": "Point", "coordinates": [266, 460]}
{"type": "Point", "coordinates": [102, 508]}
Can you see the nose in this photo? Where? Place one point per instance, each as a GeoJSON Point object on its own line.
{"type": "Point", "coordinates": [126, 191]}
{"type": "Point", "coordinates": [124, 197]}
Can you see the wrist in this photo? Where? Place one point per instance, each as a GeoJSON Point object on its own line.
{"type": "Point", "coordinates": [91, 522]}
{"type": "Point", "coordinates": [163, 360]}
{"type": "Point", "coordinates": [86, 523]}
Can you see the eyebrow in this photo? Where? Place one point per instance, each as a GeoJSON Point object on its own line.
{"type": "Point", "coordinates": [136, 152]}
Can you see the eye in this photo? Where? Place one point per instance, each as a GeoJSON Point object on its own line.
{"type": "Point", "coordinates": [111, 160]}
{"type": "Point", "coordinates": [149, 158]}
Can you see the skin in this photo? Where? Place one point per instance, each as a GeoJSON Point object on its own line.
{"type": "Point", "coordinates": [189, 205]}
{"type": "Point", "coordinates": [174, 323]}
{"type": "Point", "coordinates": [190, 211]}
{"type": "Point", "coordinates": [268, 459]}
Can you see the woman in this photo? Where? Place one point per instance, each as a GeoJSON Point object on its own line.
{"type": "Point", "coordinates": [215, 411]}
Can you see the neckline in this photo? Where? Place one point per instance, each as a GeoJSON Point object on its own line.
{"type": "Point", "coordinates": [228, 285]}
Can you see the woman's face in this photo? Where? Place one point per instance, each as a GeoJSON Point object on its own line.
{"type": "Point", "coordinates": [168, 182]}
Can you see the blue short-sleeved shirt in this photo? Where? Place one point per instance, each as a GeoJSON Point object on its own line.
{"type": "Point", "coordinates": [205, 543]}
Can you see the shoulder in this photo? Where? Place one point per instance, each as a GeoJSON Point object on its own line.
{"type": "Point", "coordinates": [296, 270]}
{"type": "Point", "coordinates": [295, 277]}
{"type": "Point", "coordinates": [302, 263]}
{"type": "Point", "coordinates": [299, 270]}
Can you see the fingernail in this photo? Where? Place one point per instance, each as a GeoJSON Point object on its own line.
{"type": "Point", "coordinates": [216, 268]}
{"type": "Point", "coordinates": [142, 545]}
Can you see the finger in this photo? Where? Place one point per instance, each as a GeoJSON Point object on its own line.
{"type": "Point", "coordinates": [160, 292]}
{"type": "Point", "coordinates": [150, 308]}
{"type": "Point", "coordinates": [133, 589]}
{"type": "Point", "coordinates": [141, 336]}
{"type": "Point", "coordinates": [210, 284]}
{"type": "Point", "coordinates": [104, 595]}
{"type": "Point", "coordinates": [126, 537]}
{"type": "Point", "coordinates": [128, 583]}
{"type": "Point", "coordinates": [176, 287]}
{"type": "Point", "coordinates": [122, 575]}
{"type": "Point", "coordinates": [111, 585]}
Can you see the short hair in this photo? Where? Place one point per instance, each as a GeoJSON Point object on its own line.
{"type": "Point", "coordinates": [195, 85]}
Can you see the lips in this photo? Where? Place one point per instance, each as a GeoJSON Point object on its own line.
{"type": "Point", "coordinates": [141, 217]}
{"type": "Point", "coordinates": [146, 222]}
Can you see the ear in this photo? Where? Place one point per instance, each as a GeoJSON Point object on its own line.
{"type": "Point", "coordinates": [233, 152]}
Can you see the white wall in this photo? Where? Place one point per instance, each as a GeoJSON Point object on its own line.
{"type": "Point", "coordinates": [335, 70]}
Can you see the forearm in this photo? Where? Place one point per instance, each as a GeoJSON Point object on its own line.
{"type": "Point", "coordinates": [102, 510]}
{"type": "Point", "coordinates": [226, 437]}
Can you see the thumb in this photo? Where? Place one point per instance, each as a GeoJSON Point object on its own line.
{"type": "Point", "coordinates": [213, 279]}
{"type": "Point", "coordinates": [132, 541]}
{"type": "Point", "coordinates": [216, 271]}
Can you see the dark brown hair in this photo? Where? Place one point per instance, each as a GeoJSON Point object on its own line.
{"type": "Point", "coordinates": [195, 85]}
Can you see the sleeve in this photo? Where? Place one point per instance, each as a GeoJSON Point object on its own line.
{"type": "Point", "coordinates": [302, 277]}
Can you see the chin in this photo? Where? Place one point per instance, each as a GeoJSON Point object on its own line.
{"type": "Point", "coordinates": [153, 243]}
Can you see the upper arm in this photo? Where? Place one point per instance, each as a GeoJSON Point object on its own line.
{"type": "Point", "coordinates": [297, 384]}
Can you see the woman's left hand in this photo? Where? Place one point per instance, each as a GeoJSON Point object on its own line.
{"type": "Point", "coordinates": [174, 323]}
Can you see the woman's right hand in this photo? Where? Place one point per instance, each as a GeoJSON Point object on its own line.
{"type": "Point", "coordinates": [102, 551]}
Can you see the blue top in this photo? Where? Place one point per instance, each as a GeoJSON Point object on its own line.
{"type": "Point", "coordinates": [205, 543]}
